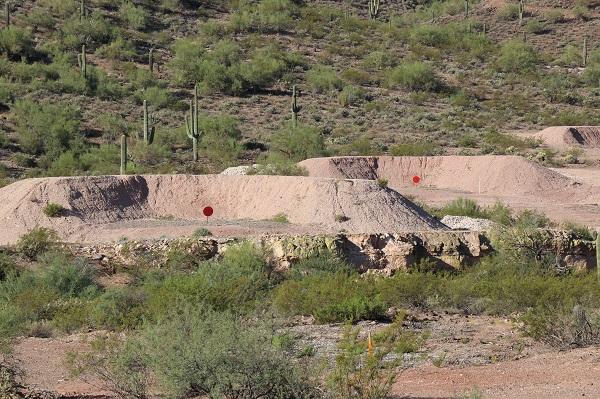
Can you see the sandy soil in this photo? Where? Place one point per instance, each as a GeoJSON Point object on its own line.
{"type": "Point", "coordinates": [476, 351]}
{"type": "Point", "coordinates": [513, 180]}
{"type": "Point", "coordinates": [104, 207]}
{"type": "Point", "coordinates": [585, 139]}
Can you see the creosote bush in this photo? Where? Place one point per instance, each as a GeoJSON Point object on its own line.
{"type": "Point", "coordinates": [415, 76]}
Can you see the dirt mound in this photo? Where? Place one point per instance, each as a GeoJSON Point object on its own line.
{"type": "Point", "coordinates": [324, 205]}
{"type": "Point", "coordinates": [564, 137]}
{"type": "Point", "coordinates": [509, 175]}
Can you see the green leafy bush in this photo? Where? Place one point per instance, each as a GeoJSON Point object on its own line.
{"type": "Point", "coordinates": [298, 143]}
{"type": "Point", "coordinates": [351, 96]}
{"type": "Point", "coordinates": [93, 30]}
{"type": "Point", "coordinates": [53, 210]}
{"type": "Point", "coordinates": [323, 79]}
{"type": "Point", "coordinates": [37, 242]}
{"type": "Point", "coordinates": [46, 129]}
{"type": "Point", "coordinates": [516, 57]}
{"type": "Point", "coordinates": [134, 17]}
{"type": "Point", "coordinates": [414, 76]}
{"type": "Point", "coordinates": [264, 16]}
{"type": "Point", "coordinates": [221, 139]}
{"type": "Point", "coordinates": [68, 277]}
{"type": "Point", "coordinates": [16, 43]}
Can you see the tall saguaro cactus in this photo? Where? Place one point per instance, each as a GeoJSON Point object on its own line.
{"type": "Point", "coordinates": [191, 124]}
{"type": "Point", "coordinates": [598, 253]}
{"type": "Point", "coordinates": [7, 13]}
{"type": "Point", "coordinates": [82, 10]}
{"type": "Point", "coordinates": [82, 60]}
{"type": "Point", "coordinates": [148, 132]}
{"type": "Point", "coordinates": [584, 55]}
{"type": "Point", "coordinates": [123, 155]}
{"type": "Point", "coordinates": [521, 11]}
{"type": "Point", "coordinates": [373, 8]}
{"type": "Point", "coordinates": [295, 108]}
{"type": "Point", "coordinates": [466, 9]}
{"type": "Point", "coordinates": [151, 61]}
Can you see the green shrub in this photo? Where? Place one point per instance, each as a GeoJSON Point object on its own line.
{"type": "Point", "coordinates": [134, 17]}
{"type": "Point", "coordinates": [351, 96]}
{"type": "Point", "coordinates": [37, 242]}
{"type": "Point", "coordinates": [227, 69]}
{"type": "Point", "coordinates": [509, 12]}
{"type": "Point", "coordinates": [536, 26]}
{"type": "Point", "coordinates": [298, 143]}
{"type": "Point", "coordinates": [201, 232]}
{"type": "Point", "coordinates": [16, 43]}
{"type": "Point", "coordinates": [463, 207]}
{"type": "Point", "coordinates": [119, 49]}
{"type": "Point", "coordinates": [356, 76]}
{"type": "Point", "coordinates": [555, 16]}
{"type": "Point", "coordinates": [118, 309]}
{"type": "Point", "coordinates": [414, 76]}
{"type": "Point", "coordinates": [195, 352]}
{"type": "Point", "coordinates": [53, 210]}
{"type": "Point", "coordinates": [68, 277]}
{"type": "Point", "coordinates": [7, 265]}
{"type": "Point", "coordinates": [264, 16]}
{"type": "Point", "coordinates": [93, 30]}
{"type": "Point", "coordinates": [516, 57]}
{"type": "Point", "coordinates": [323, 79]}
{"type": "Point", "coordinates": [329, 298]}
{"type": "Point", "coordinates": [46, 129]}
{"type": "Point", "coordinates": [221, 139]}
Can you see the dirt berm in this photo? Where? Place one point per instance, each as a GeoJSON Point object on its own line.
{"type": "Point", "coordinates": [506, 175]}
{"type": "Point", "coordinates": [108, 207]}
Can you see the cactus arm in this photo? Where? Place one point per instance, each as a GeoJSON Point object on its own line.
{"type": "Point", "coordinates": [123, 154]}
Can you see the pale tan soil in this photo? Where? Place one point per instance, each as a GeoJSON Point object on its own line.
{"type": "Point", "coordinates": [584, 139]}
{"type": "Point", "coordinates": [513, 180]}
{"type": "Point", "coordinates": [560, 375]}
{"type": "Point", "coordinates": [474, 351]}
{"type": "Point", "coordinates": [103, 208]}
{"type": "Point", "coordinates": [43, 362]}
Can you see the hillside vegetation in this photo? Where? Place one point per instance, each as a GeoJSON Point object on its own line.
{"type": "Point", "coordinates": [415, 78]}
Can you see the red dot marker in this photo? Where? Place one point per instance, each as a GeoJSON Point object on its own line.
{"type": "Point", "coordinates": [208, 212]}
{"type": "Point", "coordinates": [416, 179]}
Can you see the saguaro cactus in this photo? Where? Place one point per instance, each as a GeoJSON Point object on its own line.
{"type": "Point", "coordinates": [373, 8]}
{"type": "Point", "coordinates": [82, 11]}
{"type": "Point", "coordinates": [295, 107]}
{"type": "Point", "coordinates": [598, 253]}
{"type": "Point", "coordinates": [123, 155]}
{"type": "Point", "coordinates": [7, 13]}
{"type": "Point", "coordinates": [584, 55]}
{"type": "Point", "coordinates": [521, 11]}
{"type": "Point", "coordinates": [151, 61]}
{"type": "Point", "coordinates": [82, 60]}
{"type": "Point", "coordinates": [191, 124]}
{"type": "Point", "coordinates": [148, 133]}
{"type": "Point", "coordinates": [466, 8]}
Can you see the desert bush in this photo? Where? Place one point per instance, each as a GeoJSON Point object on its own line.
{"type": "Point", "coordinates": [238, 282]}
{"type": "Point", "coordinates": [46, 129]}
{"type": "Point", "coordinates": [463, 207]}
{"type": "Point", "coordinates": [555, 16]}
{"type": "Point", "coordinates": [68, 277]}
{"type": "Point", "coordinates": [264, 16]}
{"type": "Point", "coordinates": [197, 351]}
{"type": "Point", "coordinates": [351, 96]}
{"type": "Point", "coordinates": [119, 49]}
{"type": "Point", "coordinates": [360, 372]}
{"type": "Point", "coordinates": [330, 298]}
{"type": "Point", "coordinates": [536, 26]}
{"type": "Point", "coordinates": [516, 57]}
{"type": "Point", "coordinates": [226, 68]}
{"type": "Point", "coordinates": [94, 30]}
{"type": "Point", "coordinates": [201, 232]}
{"type": "Point", "coordinates": [415, 76]}
{"type": "Point", "coordinates": [380, 59]}
{"type": "Point", "coordinates": [582, 13]}
{"type": "Point", "coordinates": [118, 309]}
{"type": "Point", "coordinates": [134, 16]}
{"type": "Point", "coordinates": [37, 242]}
{"type": "Point", "coordinates": [298, 143]}
{"type": "Point", "coordinates": [277, 166]}
{"type": "Point", "coordinates": [323, 79]}
{"type": "Point", "coordinates": [53, 210]}
{"type": "Point", "coordinates": [221, 139]}
{"type": "Point", "coordinates": [16, 43]}
{"type": "Point", "coordinates": [509, 12]}
{"type": "Point", "coordinates": [564, 327]}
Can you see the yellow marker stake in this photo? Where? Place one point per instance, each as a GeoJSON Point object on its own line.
{"type": "Point", "coordinates": [370, 346]}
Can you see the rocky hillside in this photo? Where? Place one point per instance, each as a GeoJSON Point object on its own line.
{"type": "Point", "coordinates": [414, 78]}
